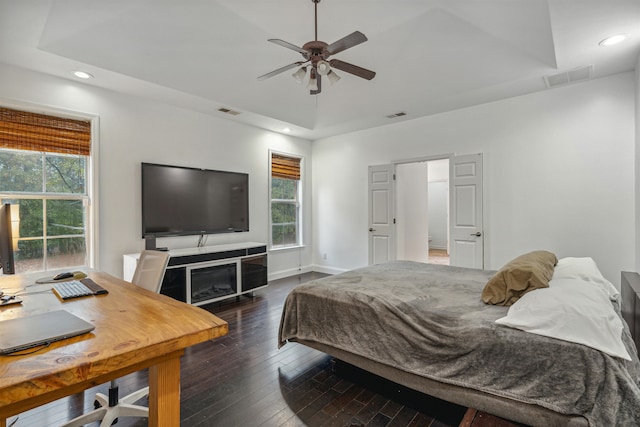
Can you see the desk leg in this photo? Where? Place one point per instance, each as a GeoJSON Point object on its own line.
{"type": "Point", "coordinates": [164, 394]}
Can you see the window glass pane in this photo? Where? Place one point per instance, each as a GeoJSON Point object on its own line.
{"type": "Point", "coordinates": [65, 174]}
{"type": "Point", "coordinates": [65, 252]}
{"type": "Point", "coordinates": [290, 235]}
{"type": "Point", "coordinates": [276, 188]}
{"type": "Point", "coordinates": [284, 189]}
{"type": "Point", "coordinates": [65, 217]}
{"type": "Point", "coordinates": [284, 234]}
{"type": "Point", "coordinates": [20, 171]}
{"type": "Point", "coordinates": [29, 256]}
{"type": "Point", "coordinates": [290, 189]}
{"type": "Point", "coordinates": [283, 213]}
{"type": "Point", "coordinates": [284, 223]}
{"type": "Point", "coordinates": [30, 215]}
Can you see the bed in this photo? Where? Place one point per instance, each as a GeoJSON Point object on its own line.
{"type": "Point", "coordinates": [424, 326]}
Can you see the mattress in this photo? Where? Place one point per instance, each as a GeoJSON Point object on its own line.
{"type": "Point", "coordinates": [427, 323]}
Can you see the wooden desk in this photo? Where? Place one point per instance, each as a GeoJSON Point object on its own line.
{"type": "Point", "coordinates": [134, 329]}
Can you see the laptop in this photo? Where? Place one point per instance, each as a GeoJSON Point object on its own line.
{"type": "Point", "coordinates": [40, 329]}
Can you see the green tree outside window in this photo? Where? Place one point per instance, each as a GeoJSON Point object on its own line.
{"type": "Point", "coordinates": [284, 212]}
{"type": "Point", "coordinates": [50, 191]}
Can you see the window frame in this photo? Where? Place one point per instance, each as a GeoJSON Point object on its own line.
{"type": "Point", "coordinates": [298, 202]}
{"type": "Point", "coordinates": [90, 200]}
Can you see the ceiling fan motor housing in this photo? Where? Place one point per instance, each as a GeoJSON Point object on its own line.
{"type": "Point", "coordinates": [316, 51]}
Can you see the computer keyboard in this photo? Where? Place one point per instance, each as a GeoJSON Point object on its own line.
{"type": "Point", "coordinates": [75, 289]}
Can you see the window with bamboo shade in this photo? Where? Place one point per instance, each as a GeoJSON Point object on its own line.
{"type": "Point", "coordinates": [43, 175]}
{"type": "Point", "coordinates": [285, 200]}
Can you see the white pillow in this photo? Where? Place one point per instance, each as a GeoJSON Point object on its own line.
{"type": "Point", "coordinates": [585, 269]}
{"type": "Point", "coordinates": [572, 311]}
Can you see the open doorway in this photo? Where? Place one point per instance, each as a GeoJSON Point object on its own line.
{"type": "Point", "coordinates": [438, 210]}
{"type": "Point", "coordinates": [399, 191]}
{"type": "Point", "coordinates": [422, 211]}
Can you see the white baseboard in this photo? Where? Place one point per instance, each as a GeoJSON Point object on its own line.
{"type": "Point", "coordinates": [275, 275]}
{"type": "Point", "coordinates": [444, 248]}
{"type": "Point", "coordinates": [328, 270]}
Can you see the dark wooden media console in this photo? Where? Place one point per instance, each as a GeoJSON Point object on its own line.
{"type": "Point", "coordinates": [208, 274]}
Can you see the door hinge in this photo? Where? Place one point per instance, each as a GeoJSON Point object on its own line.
{"type": "Point", "coordinates": [394, 176]}
{"type": "Point", "coordinates": [394, 220]}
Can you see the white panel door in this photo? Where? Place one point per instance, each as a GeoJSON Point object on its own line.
{"type": "Point", "coordinates": [381, 221]}
{"type": "Point", "coordinates": [467, 242]}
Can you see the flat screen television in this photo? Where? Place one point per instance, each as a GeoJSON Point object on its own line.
{"type": "Point", "coordinates": [6, 241]}
{"type": "Point", "coordinates": [182, 201]}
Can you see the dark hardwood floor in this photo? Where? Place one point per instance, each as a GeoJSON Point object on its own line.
{"type": "Point", "coordinates": [243, 379]}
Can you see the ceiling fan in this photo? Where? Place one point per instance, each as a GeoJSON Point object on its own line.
{"type": "Point", "coordinates": [316, 55]}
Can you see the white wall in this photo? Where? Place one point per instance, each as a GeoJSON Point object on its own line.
{"type": "Point", "coordinates": [438, 214]}
{"type": "Point", "coordinates": [438, 203]}
{"type": "Point", "coordinates": [559, 174]}
{"type": "Point", "coordinates": [133, 130]}
{"type": "Point", "coordinates": [412, 229]}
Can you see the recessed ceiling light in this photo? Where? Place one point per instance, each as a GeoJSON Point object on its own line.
{"type": "Point", "coordinates": [286, 130]}
{"type": "Point", "coordinates": [610, 41]}
{"type": "Point", "coordinates": [82, 74]}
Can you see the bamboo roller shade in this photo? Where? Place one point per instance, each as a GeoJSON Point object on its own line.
{"type": "Point", "coordinates": [38, 132]}
{"type": "Point", "coordinates": [285, 167]}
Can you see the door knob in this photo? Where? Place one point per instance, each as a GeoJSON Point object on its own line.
{"type": "Point", "coordinates": [478, 234]}
{"type": "Point", "coordinates": [372, 229]}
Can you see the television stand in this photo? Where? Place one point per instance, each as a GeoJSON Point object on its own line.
{"type": "Point", "coordinates": [208, 274]}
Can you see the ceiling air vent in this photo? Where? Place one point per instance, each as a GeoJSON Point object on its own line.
{"type": "Point", "coordinates": [571, 76]}
{"type": "Point", "coordinates": [393, 116]}
{"type": "Point", "coordinates": [228, 111]}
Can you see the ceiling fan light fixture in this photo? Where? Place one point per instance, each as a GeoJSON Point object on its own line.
{"type": "Point", "coordinates": [300, 74]}
{"type": "Point", "coordinates": [333, 77]}
{"type": "Point", "coordinates": [323, 68]}
{"type": "Point", "coordinates": [313, 83]}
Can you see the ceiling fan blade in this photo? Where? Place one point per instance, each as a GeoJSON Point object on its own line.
{"type": "Point", "coordinates": [280, 70]}
{"type": "Point", "coordinates": [351, 40]}
{"type": "Point", "coordinates": [352, 69]}
{"type": "Point", "coordinates": [289, 46]}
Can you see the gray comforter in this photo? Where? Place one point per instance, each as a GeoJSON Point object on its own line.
{"type": "Point", "coordinates": [429, 320]}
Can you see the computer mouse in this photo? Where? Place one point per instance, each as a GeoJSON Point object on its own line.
{"type": "Point", "coordinates": [64, 275]}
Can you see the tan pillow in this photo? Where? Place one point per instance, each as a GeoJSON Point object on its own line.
{"type": "Point", "coordinates": [519, 276]}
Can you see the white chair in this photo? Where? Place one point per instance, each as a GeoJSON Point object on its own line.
{"type": "Point", "coordinates": [150, 270]}
{"type": "Point", "coordinates": [149, 274]}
